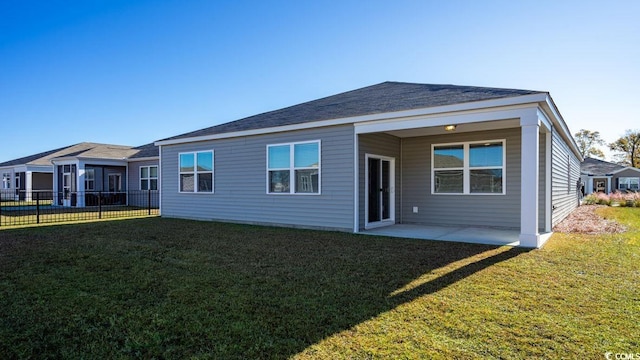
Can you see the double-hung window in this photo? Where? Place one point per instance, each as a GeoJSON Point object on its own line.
{"type": "Point", "coordinates": [6, 181]}
{"type": "Point", "coordinates": [293, 168]}
{"type": "Point", "coordinates": [629, 183]}
{"type": "Point", "coordinates": [196, 172]}
{"type": "Point", "coordinates": [148, 178]}
{"type": "Point", "coordinates": [468, 168]}
{"type": "Point", "coordinates": [90, 180]}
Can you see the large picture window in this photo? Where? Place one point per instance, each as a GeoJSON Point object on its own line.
{"type": "Point", "coordinates": [293, 168]}
{"type": "Point", "coordinates": [196, 172]}
{"type": "Point", "coordinates": [148, 178]}
{"type": "Point", "coordinates": [468, 168]}
{"type": "Point", "coordinates": [629, 183]}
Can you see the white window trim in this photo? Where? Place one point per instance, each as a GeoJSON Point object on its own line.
{"type": "Point", "coordinates": [292, 168]}
{"type": "Point", "coordinates": [466, 169]}
{"type": "Point", "coordinates": [195, 172]}
{"type": "Point", "coordinates": [627, 177]}
{"type": "Point", "coordinates": [149, 178]}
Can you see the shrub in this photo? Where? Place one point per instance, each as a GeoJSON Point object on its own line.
{"type": "Point", "coordinates": [618, 198]}
{"type": "Point", "coordinates": [631, 199]}
{"type": "Point", "coordinates": [590, 199]}
{"type": "Point", "coordinates": [603, 199]}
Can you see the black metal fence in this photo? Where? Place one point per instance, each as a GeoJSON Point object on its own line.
{"type": "Point", "coordinates": [38, 207]}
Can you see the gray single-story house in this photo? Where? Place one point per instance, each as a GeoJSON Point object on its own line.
{"type": "Point", "coordinates": [605, 177]}
{"type": "Point", "coordinates": [391, 153]}
{"type": "Point", "coordinates": [105, 174]}
{"type": "Point", "coordinates": [79, 174]}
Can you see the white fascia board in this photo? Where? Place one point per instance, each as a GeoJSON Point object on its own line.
{"type": "Point", "coordinates": [40, 168]}
{"type": "Point", "coordinates": [64, 161]}
{"type": "Point", "coordinates": [99, 161]}
{"type": "Point", "coordinates": [476, 105]}
{"type": "Point", "coordinates": [92, 161]}
{"type": "Point", "coordinates": [442, 119]}
{"type": "Point", "coordinates": [20, 168]}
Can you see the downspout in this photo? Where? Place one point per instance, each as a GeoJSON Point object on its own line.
{"type": "Point", "coordinates": [160, 190]}
{"type": "Point", "coordinates": [356, 182]}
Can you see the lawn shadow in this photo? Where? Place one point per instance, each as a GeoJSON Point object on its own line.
{"type": "Point", "coordinates": [176, 288]}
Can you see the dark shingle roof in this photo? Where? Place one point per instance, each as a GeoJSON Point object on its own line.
{"type": "Point", "coordinates": [87, 150]}
{"type": "Point", "coordinates": [84, 149]}
{"type": "Point", "coordinates": [146, 151]}
{"type": "Point", "coordinates": [36, 159]}
{"type": "Point", "coordinates": [381, 98]}
{"type": "Point", "coordinates": [591, 166]}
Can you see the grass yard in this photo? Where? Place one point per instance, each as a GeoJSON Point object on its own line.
{"type": "Point", "coordinates": [167, 288]}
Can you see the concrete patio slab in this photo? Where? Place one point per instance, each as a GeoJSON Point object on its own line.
{"type": "Point", "coordinates": [468, 234]}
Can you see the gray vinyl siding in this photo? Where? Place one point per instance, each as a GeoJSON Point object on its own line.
{"type": "Point", "coordinates": [134, 172]}
{"type": "Point", "coordinates": [479, 210]}
{"type": "Point", "coordinates": [382, 145]}
{"type": "Point", "coordinates": [136, 198]}
{"type": "Point", "coordinates": [565, 172]}
{"type": "Point", "coordinates": [240, 182]}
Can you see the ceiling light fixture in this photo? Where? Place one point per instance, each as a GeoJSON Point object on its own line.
{"type": "Point", "coordinates": [449, 127]}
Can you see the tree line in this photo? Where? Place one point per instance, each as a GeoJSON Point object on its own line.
{"type": "Point", "coordinates": [626, 148]}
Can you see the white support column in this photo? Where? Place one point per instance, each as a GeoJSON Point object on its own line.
{"type": "Point", "coordinates": [529, 177]}
{"type": "Point", "coordinates": [55, 185]}
{"type": "Point", "coordinates": [609, 180]}
{"type": "Point", "coordinates": [80, 190]}
{"type": "Point", "coordinates": [28, 185]}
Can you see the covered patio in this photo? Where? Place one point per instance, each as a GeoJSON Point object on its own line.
{"type": "Point", "coordinates": [467, 172]}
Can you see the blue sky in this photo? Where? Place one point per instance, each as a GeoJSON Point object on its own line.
{"type": "Point", "coordinates": [131, 72]}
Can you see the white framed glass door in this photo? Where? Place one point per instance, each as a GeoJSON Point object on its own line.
{"type": "Point", "coordinates": [379, 191]}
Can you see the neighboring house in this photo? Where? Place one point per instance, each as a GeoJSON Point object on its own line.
{"type": "Point", "coordinates": [104, 173]}
{"type": "Point", "coordinates": [24, 176]}
{"type": "Point", "coordinates": [79, 174]}
{"type": "Point", "coordinates": [605, 177]}
{"type": "Point", "coordinates": [384, 154]}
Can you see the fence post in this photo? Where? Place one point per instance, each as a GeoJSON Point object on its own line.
{"type": "Point", "coordinates": [37, 207]}
{"type": "Point", "coordinates": [99, 204]}
{"type": "Point", "coordinates": [149, 201]}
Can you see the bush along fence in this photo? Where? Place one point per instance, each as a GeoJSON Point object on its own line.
{"type": "Point", "coordinates": [40, 207]}
{"type": "Point", "coordinates": [628, 199]}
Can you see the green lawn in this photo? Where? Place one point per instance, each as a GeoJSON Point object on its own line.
{"type": "Point", "coordinates": [167, 288]}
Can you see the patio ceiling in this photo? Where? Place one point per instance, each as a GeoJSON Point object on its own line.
{"type": "Point", "coordinates": [460, 128]}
